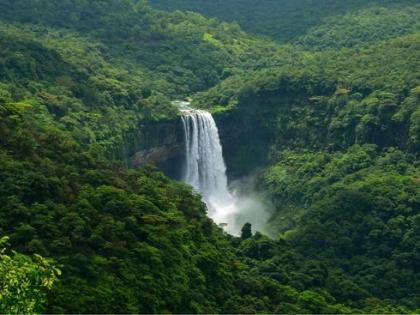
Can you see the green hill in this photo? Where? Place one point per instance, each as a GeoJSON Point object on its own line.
{"type": "Point", "coordinates": [363, 27]}
{"type": "Point", "coordinates": [181, 52]}
{"type": "Point", "coordinates": [282, 20]}
{"type": "Point", "coordinates": [338, 133]}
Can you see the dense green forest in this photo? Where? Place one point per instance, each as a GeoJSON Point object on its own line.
{"type": "Point", "coordinates": [319, 101]}
{"type": "Point", "coordinates": [282, 20]}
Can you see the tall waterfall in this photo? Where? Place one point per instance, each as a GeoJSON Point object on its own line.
{"type": "Point", "coordinates": [204, 167]}
{"type": "Point", "coordinates": [205, 170]}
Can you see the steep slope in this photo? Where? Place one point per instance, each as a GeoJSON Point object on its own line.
{"type": "Point", "coordinates": [181, 52]}
{"type": "Point", "coordinates": [338, 130]}
{"type": "Point", "coordinates": [107, 227]}
{"type": "Point", "coordinates": [328, 101]}
{"type": "Point", "coordinates": [70, 85]}
{"type": "Point", "coordinates": [355, 211]}
{"type": "Point", "coordinates": [127, 241]}
{"type": "Point", "coordinates": [362, 28]}
{"type": "Point", "coordinates": [117, 64]}
{"type": "Point", "coordinates": [282, 20]}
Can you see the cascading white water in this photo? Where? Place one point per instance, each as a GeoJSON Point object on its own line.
{"type": "Point", "coordinates": [204, 167]}
{"type": "Point", "coordinates": [205, 170]}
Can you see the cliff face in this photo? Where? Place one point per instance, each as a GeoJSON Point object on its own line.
{"type": "Point", "coordinates": [161, 144]}
{"type": "Point", "coordinates": [245, 142]}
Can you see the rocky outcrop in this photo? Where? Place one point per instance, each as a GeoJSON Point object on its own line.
{"type": "Point", "coordinates": [244, 140]}
{"type": "Point", "coordinates": [161, 144]}
{"type": "Point", "coordinates": [157, 155]}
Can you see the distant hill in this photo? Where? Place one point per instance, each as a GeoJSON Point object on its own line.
{"type": "Point", "coordinates": [282, 20]}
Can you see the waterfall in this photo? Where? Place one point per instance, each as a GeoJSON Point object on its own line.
{"type": "Point", "coordinates": [204, 166]}
{"type": "Point", "coordinates": [205, 170]}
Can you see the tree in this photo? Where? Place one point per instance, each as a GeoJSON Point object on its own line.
{"type": "Point", "coordinates": [23, 281]}
{"type": "Point", "coordinates": [246, 231]}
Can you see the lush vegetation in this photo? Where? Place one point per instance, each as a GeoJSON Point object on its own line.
{"type": "Point", "coordinates": [337, 130]}
{"type": "Point", "coordinates": [108, 67]}
{"type": "Point", "coordinates": [325, 101]}
{"type": "Point", "coordinates": [331, 120]}
{"type": "Point", "coordinates": [282, 20]}
{"type": "Point", "coordinates": [129, 241]}
{"type": "Point", "coordinates": [356, 212]}
{"type": "Point", "coordinates": [362, 27]}
{"type": "Point", "coordinates": [179, 52]}
{"type": "Point", "coordinates": [23, 281]}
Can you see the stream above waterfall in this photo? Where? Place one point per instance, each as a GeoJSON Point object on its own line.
{"type": "Point", "coordinates": [204, 169]}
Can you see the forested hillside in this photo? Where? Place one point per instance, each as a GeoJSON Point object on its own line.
{"type": "Point", "coordinates": [362, 28]}
{"type": "Point", "coordinates": [101, 85]}
{"type": "Point", "coordinates": [338, 130]}
{"type": "Point", "coordinates": [180, 52]}
{"type": "Point", "coordinates": [282, 20]}
{"type": "Point", "coordinates": [325, 115]}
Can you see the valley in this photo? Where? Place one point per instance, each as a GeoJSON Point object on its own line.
{"type": "Point", "coordinates": [286, 181]}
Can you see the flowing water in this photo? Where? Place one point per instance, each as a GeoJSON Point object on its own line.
{"type": "Point", "coordinates": [205, 170]}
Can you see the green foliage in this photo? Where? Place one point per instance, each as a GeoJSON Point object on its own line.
{"type": "Point", "coordinates": [180, 52]}
{"type": "Point", "coordinates": [323, 101]}
{"type": "Point", "coordinates": [128, 241]}
{"type": "Point", "coordinates": [282, 20]}
{"type": "Point", "coordinates": [361, 28]}
{"type": "Point", "coordinates": [356, 213]}
{"type": "Point", "coordinates": [246, 231]}
{"type": "Point", "coordinates": [101, 69]}
{"type": "Point", "coordinates": [24, 281]}
{"type": "Point", "coordinates": [338, 131]}
{"type": "Point", "coordinates": [334, 115]}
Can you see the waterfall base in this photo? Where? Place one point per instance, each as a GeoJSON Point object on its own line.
{"type": "Point", "coordinates": [205, 170]}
